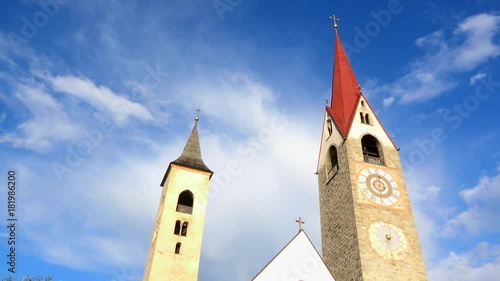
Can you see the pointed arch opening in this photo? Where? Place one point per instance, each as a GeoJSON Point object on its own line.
{"type": "Point", "coordinates": [362, 116]}
{"type": "Point", "coordinates": [177, 228]}
{"type": "Point", "coordinates": [178, 248]}
{"type": "Point", "coordinates": [372, 150]}
{"type": "Point", "coordinates": [332, 165]}
{"type": "Point", "coordinates": [184, 228]}
{"type": "Point", "coordinates": [185, 202]}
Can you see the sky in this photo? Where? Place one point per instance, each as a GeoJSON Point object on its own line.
{"type": "Point", "coordinates": [97, 97]}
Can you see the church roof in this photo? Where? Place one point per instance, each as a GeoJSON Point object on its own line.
{"type": "Point", "coordinates": [191, 155]}
{"type": "Point", "coordinates": [346, 91]}
{"type": "Point", "coordinates": [298, 260]}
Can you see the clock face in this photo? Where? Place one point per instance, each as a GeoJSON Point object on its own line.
{"type": "Point", "coordinates": [388, 241]}
{"type": "Point", "coordinates": [379, 186]}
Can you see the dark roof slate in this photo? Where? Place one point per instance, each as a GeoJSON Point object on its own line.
{"type": "Point", "coordinates": [191, 155]}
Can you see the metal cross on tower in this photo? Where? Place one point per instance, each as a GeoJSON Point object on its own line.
{"type": "Point", "coordinates": [197, 115]}
{"type": "Point", "coordinates": [335, 19]}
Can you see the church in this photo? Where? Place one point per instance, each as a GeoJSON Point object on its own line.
{"type": "Point", "coordinates": [368, 230]}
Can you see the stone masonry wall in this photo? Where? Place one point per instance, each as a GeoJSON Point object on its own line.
{"type": "Point", "coordinates": [374, 267]}
{"type": "Point", "coordinates": [338, 223]}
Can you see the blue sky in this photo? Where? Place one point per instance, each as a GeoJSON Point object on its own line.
{"type": "Point", "coordinates": [97, 97]}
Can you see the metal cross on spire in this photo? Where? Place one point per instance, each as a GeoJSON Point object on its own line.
{"type": "Point", "coordinates": [335, 19]}
{"type": "Point", "coordinates": [360, 90]}
{"type": "Point", "coordinates": [197, 114]}
{"type": "Point", "coordinates": [300, 222]}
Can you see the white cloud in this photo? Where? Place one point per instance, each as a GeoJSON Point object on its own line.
{"type": "Point", "coordinates": [102, 98]}
{"type": "Point", "coordinates": [96, 224]}
{"type": "Point", "coordinates": [233, 98]}
{"type": "Point", "coordinates": [479, 45]}
{"type": "Point", "coordinates": [433, 74]}
{"type": "Point", "coordinates": [388, 101]}
{"type": "Point", "coordinates": [425, 197]}
{"type": "Point", "coordinates": [273, 202]}
{"type": "Point", "coordinates": [477, 77]}
{"type": "Point", "coordinates": [480, 264]}
{"type": "Point", "coordinates": [5, 50]}
{"type": "Point", "coordinates": [48, 124]}
{"type": "Point", "coordinates": [420, 116]}
{"type": "Point", "coordinates": [435, 38]}
{"type": "Point", "coordinates": [429, 193]}
{"type": "Point", "coordinates": [481, 213]}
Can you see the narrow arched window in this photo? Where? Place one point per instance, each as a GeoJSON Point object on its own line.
{"type": "Point", "coordinates": [184, 228]}
{"type": "Point", "coordinates": [372, 150]}
{"type": "Point", "coordinates": [178, 248]}
{"type": "Point", "coordinates": [362, 117]}
{"type": "Point", "coordinates": [333, 156]}
{"type": "Point", "coordinates": [329, 121]}
{"type": "Point", "coordinates": [185, 202]}
{"type": "Point", "coordinates": [367, 119]}
{"type": "Point", "coordinates": [177, 229]}
{"type": "Point", "coordinates": [332, 162]}
{"type": "Point", "coordinates": [362, 103]}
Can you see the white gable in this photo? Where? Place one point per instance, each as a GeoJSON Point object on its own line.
{"type": "Point", "coordinates": [299, 260]}
{"type": "Point", "coordinates": [330, 136]}
{"type": "Point", "coordinates": [373, 126]}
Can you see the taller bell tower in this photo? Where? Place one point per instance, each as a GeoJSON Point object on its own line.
{"type": "Point", "coordinates": [177, 237]}
{"type": "Point", "coordinates": [367, 225]}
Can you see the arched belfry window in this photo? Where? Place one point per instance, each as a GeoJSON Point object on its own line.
{"type": "Point", "coordinates": [184, 228]}
{"type": "Point", "coordinates": [332, 165]}
{"type": "Point", "coordinates": [185, 202]}
{"type": "Point", "coordinates": [178, 248]}
{"type": "Point", "coordinates": [372, 150]}
{"type": "Point", "coordinates": [362, 117]}
{"type": "Point", "coordinates": [177, 229]}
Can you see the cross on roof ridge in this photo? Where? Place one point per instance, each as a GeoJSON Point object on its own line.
{"type": "Point", "coordinates": [300, 222]}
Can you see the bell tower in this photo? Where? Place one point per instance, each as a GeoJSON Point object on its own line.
{"type": "Point", "coordinates": [175, 248]}
{"type": "Point", "coordinates": [367, 225]}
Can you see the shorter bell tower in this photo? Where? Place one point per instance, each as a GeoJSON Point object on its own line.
{"type": "Point", "coordinates": [175, 248]}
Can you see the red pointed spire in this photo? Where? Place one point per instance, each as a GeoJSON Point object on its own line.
{"type": "Point", "coordinates": [345, 89]}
